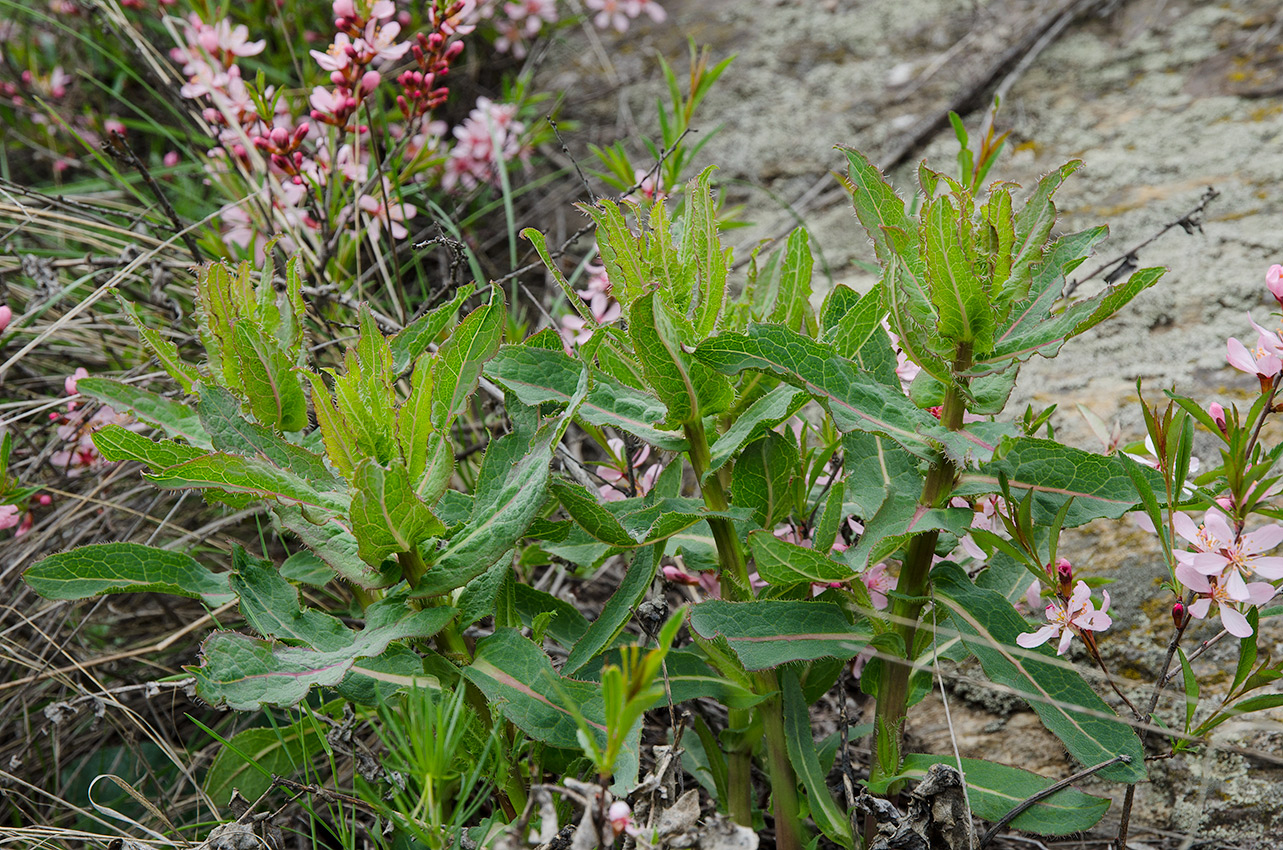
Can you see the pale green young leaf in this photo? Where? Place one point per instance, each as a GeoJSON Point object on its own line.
{"type": "Point", "coordinates": [1066, 704]}
{"type": "Point", "coordinates": [995, 789]}
{"type": "Point", "coordinates": [591, 515]}
{"type": "Point", "coordinates": [793, 304]}
{"type": "Point", "coordinates": [163, 349]}
{"type": "Point", "coordinates": [172, 417]}
{"type": "Point", "coordinates": [688, 389]}
{"type": "Point", "coordinates": [572, 295]}
{"type": "Point", "coordinates": [701, 245]}
{"type": "Point", "coordinates": [387, 515]}
{"type": "Point", "coordinates": [512, 502]}
{"type": "Point", "coordinates": [878, 208]}
{"type": "Point", "coordinates": [998, 230]}
{"type": "Point", "coordinates": [223, 295]}
{"type": "Point", "coordinates": [101, 568]}
{"type": "Point", "coordinates": [849, 332]}
{"type": "Point", "coordinates": [333, 542]}
{"type": "Point", "coordinates": [621, 252]}
{"type": "Point", "coordinates": [960, 297]}
{"type": "Point", "coordinates": [365, 396]}
{"type": "Point", "coordinates": [413, 340]}
{"type": "Point", "coordinates": [766, 634]}
{"type": "Point", "coordinates": [760, 416]}
{"type": "Point", "coordinates": [1063, 256]}
{"type": "Point", "coordinates": [460, 359]}
{"type": "Point", "coordinates": [782, 563]}
{"type": "Point", "coordinates": [339, 440]}
{"type": "Point", "coordinates": [268, 377]}
{"type": "Point", "coordinates": [1047, 338]}
{"type": "Point", "coordinates": [675, 273]}
{"type": "Point", "coordinates": [414, 432]}
{"type": "Point", "coordinates": [912, 320]}
{"type": "Point", "coordinates": [1033, 227]}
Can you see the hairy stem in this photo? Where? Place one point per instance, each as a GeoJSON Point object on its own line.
{"type": "Point", "coordinates": [912, 590]}
{"type": "Point", "coordinates": [788, 831]}
{"type": "Point", "coordinates": [735, 586]}
{"type": "Point", "coordinates": [730, 554]}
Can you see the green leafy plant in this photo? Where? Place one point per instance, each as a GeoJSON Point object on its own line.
{"type": "Point", "coordinates": [821, 481]}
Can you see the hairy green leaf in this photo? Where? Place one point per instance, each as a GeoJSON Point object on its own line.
{"type": "Point", "coordinates": [125, 568]}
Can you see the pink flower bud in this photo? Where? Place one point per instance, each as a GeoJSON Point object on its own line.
{"type": "Point", "coordinates": [1274, 281]}
{"type": "Point", "coordinates": [301, 131]}
{"type": "Point", "coordinates": [337, 78]}
{"type": "Point", "coordinates": [6, 316]}
{"type": "Point", "coordinates": [678, 576]}
{"type": "Point", "coordinates": [1218, 416]}
{"type": "Point", "coordinates": [280, 136]}
{"type": "Point", "coordinates": [370, 81]}
{"type": "Point", "coordinates": [171, 159]}
{"type": "Point", "coordinates": [1226, 504]}
{"type": "Point", "coordinates": [114, 125]}
{"type": "Point", "coordinates": [344, 8]}
{"type": "Point", "coordinates": [45, 499]}
{"type": "Point", "coordinates": [70, 383]}
{"type": "Point", "coordinates": [238, 150]}
{"type": "Point", "coordinates": [1179, 615]}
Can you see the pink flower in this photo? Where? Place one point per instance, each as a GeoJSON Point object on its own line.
{"type": "Point", "coordinates": [535, 13]}
{"type": "Point", "coordinates": [1080, 615]}
{"type": "Point", "coordinates": [1264, 361]}
{"type": "Point", "coordinates": [1221, 548]}
{"type": "Point", "coordinates": [879, 583]}
{"type": "Point", "coordinates": [10, 516]}
{"type": "Point", "coordinates": [1228, 595]}
{"type": "Point", "coordinates": [6, 316]}
{"type": "Point", "coordinates": [170, 159]}
{"type": "Point", "coordinates": [621, 818]}
{"type": "Point", "coordinates": [337, 56]}
{"type": "Point", "coordinates": [1274, 282]}
{"type": "Point", "coordinates": [381, 44]}
{"type": "Point", "coordinates": [613, 13]}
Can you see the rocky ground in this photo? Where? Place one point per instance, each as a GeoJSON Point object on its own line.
{"type": "Point", "coordinates": [1161, 99]}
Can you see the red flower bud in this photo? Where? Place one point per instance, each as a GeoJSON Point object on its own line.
{"type": "Point", "coordinates": [1179, 615]}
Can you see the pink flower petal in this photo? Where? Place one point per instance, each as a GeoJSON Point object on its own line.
{"type": "Point", "coordinates": [1235, 623]}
